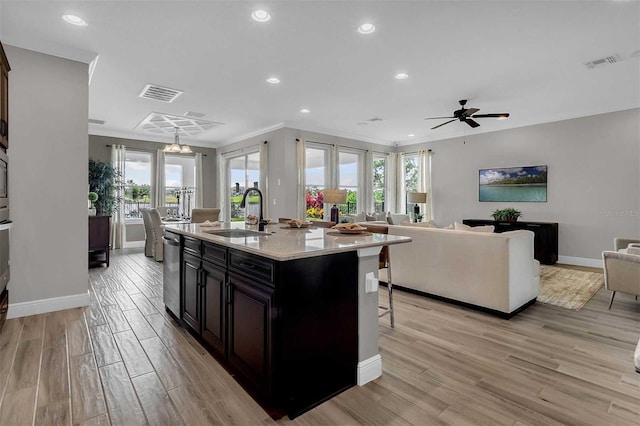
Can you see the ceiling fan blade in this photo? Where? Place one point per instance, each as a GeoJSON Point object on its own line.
{"type": "Point", "coordinates": [446, 122]}
{"type": "Point", "coordinates": [497, 115]}
{"type": "Point", "coordinates": [471, 123]}
{"type": "Point", "coordinates": [469, 112]}
{"type": "Point", "coordinates": [437, 118]}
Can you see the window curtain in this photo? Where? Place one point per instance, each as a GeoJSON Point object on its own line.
{"type": "Point", "coordinates": [160, 188]}
{"type": "Point", "coordinates": [264, 177]}
{"type": "Point", "coordinates": [118, 228]}
{"type": "Point", "coordinates": [368, 202]}
{"type": "Point", "coordinates": [424, 181]}
{"type": "Point", "coordinates": [301, 165]}
{"type": "Point", "coordinates": [390, 187]}
{"type": "Point", "coordinates": [223, 189]}
{"type": "Point", "coordinates": [398, 188]}
{"type": "Point", "coordinates": [198, 190]}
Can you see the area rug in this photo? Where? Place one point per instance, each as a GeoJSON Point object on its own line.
{"type": "Point", "coordinates": [568, 288]}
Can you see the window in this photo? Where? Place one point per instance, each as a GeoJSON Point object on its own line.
{"type": "Point", "coordinates": [244, 172]}
{"type": "Point", "coordinates": [179, 182]}
{"type": "Point", "coordinates": [137, 178]}
{"type": "Point", "coordinates": [348, 178]}
{"type": "Point", "coordinates": [379, 182]}
{"type": "Point", "coordinates": [410, 175]}
{"type": "Point", "coordinates": [316, 177]}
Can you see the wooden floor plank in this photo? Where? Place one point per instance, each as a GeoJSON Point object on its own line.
{"type": "Point", "coordinates": [18, 407]}
{"type": "Point", "coordinates": [134, 357]}
{"type": "Point", "coordinates": [56, 413]}
{"type": "Point", "coordinates": [104, 346]}
{"type": "Point", "coordinates": [53, 386]}
{"type": "Point", "coordinates": [155, 401]}
{"type": "Point", "coordinates": [87, 398]}
{"type": "Point", "coordinates": [121, 398]}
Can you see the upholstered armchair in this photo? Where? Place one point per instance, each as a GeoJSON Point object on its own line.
{"type": "Point", "coordinates": [148, 230]}
{"type": "Point", "coordinates": [623, 243]}
{"type": "Point", "coordinates": [201, 215]}
{"type": "Point", "coordinates": [622, 272]}
{"type": "Point", "coordinates": [156, 222]}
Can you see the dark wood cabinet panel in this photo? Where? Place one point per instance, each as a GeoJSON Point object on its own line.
{"type": "Point", "coordinates": [250, 330]}
{"type": "Point", "coordinates": [545, 240]}
{"type": "Point", "coordinates": [191, 291]}
{"type": "Point", "coordinates": [214, 281]}
{"type": "Point", "coordinates": [99, 232]}
{"type": "Point", "coordinates": [4, 99]}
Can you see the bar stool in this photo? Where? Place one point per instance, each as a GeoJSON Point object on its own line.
{"type": "Point", "coordinates": [384, 262]}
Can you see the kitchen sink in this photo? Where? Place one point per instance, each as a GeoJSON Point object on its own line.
{"type": "Point", "coordinates": [235, 233]}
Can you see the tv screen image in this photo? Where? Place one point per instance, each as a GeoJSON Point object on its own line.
{"type": "Point", "coordinates": [514, 184]}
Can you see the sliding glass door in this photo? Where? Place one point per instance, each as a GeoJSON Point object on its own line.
{"type": "Point", "coordinates": [244, 172]}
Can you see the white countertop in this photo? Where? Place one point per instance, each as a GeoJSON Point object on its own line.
{"type": "Point", "coordinates": [286, 244]}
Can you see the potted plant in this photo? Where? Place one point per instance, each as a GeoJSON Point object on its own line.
{"type": "Point", "coordinates": [507, 215]}
{"type": "Point", "coordinates": [93, 197]}
{"type": "Point", "coordinates": [104, 180]}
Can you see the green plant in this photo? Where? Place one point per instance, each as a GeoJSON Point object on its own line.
{"type": "Point", "coordinates": [104, 180]}
{"type": "Point", "coordinates": [509, 214]}
{"type": "Point", "coordinates": [93, 197]}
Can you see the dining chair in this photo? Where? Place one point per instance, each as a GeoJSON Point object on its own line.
{"type": "Point", "coordinates": [149, 237]}
{"type": "Point", "coordinates": [201, 215]}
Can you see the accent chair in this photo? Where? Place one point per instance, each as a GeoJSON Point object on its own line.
{"type": "Point", "coordinates": [202, 215]}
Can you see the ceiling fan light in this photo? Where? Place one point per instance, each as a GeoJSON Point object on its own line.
{"type": "Point", "coordinates": [174, 147]}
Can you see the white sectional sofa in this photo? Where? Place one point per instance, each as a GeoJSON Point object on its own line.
{"type": "Point", "coordinates": [495, 272]}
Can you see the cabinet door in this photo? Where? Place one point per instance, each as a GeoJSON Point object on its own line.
{"type": "Point", "coordinates": [213, 305]}
{"type": "Point", "coordinates": [4, 106]}
{"type": "Point", "coordinates": [250, 323]}
{"type": "Point", "coordinates": [191, 291]}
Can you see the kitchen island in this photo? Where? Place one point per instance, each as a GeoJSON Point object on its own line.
{"type": "Point", "coordinates": [293, 313]}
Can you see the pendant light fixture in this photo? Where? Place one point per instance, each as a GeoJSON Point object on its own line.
{"type": "Point", "coordinates": [176, 147]}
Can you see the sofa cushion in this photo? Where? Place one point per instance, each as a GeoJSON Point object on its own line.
{"type": "Point", "coordinates": [428, 224]}
{"type": "Point", "coordinates": [462, 227]}
{"type": "Point", "coordinates": [397, 219]}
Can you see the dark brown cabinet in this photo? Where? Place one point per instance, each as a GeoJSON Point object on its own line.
{"type": "Point", "coordinates": [99, 228]}
{"type": "Point", "coordinates": [4, 99]}
{"type": "Point", "coordinates": [545, 242]}
{"type": "Point", "coordinates": [214, 321]}
{"type": "Point", "coordinates": [250, 328]}
{"type": "Point", "coordinates": [191, 297]}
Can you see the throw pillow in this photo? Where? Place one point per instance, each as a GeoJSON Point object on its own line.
{"type": "Point", "coordinates": [370, 217]}
{"type": "Point", "coordinates": [462, 227]}
{"type": "Point", "coordinates": [360, 217]}
{"type": "Point", "coordinates": [428, 224]}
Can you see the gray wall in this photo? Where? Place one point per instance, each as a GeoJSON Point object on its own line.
{"type": "Point", "coordinates": [48, 176]}
{"type": "Point", "coordinates": [594, 180]}
{"type": "Point", "coordinates": [98, 150]}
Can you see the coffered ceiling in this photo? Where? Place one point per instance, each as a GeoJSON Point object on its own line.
{"type": "Point", "coordinates": [523, 57]}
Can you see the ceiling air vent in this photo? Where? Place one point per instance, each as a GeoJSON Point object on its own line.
{"type": "Point", "coordinates": [159, 93]}
{"type": "Point", "coordinates": [603, 61]}
{"type": "Point", "coordinates": [194, 114]}
{"type": "Point", "coordinates": [94, 121]}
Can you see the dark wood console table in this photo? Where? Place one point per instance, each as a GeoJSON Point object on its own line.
{"type": "Point", "coordinates": [545, 240]}
{"type": "Point", "coordinates": [98, 240]}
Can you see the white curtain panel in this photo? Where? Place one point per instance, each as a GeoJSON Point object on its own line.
{"type": "Point", "coordinates": [401, 196]}
{"type": "Point", "coordinates": [390, 187]}
{"type": "Point", "coordinates": [333, 166]}
{"type": "Point", "coordinates": [367, 172]}
{"type": "Point", "coordinates": [223, 189]}
{"type": "Point", "coordinates": [264, 177]}
{"type": "Point", "coordinates": [198, 191]}
{"type": "Point", "coordinates": [118, 228]}
{"type": "Point", "coordinates": [424, 181]}
{"type": "Point", "coordinates": [160, 188]}
{"type": "Point", "coordinates": [301, 166]}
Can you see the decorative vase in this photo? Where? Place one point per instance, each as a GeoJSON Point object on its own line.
{"type": "Point", "coordinates": [92, 211]}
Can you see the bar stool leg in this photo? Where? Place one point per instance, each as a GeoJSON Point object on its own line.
{"type": "Point", "coordinates": [390, 289]}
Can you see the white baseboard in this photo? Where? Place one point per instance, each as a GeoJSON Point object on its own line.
{"type": "Point", "coordinates": [43, 306]}
{"type": "Point", "coordinates": [369, 369]}
{"type": "Point", "coordinates": [580, 261]}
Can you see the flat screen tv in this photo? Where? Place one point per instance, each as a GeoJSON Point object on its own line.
{"type": "Point", "coordinates": [514, 184]}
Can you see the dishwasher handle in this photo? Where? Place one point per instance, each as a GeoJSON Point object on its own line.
{"type": "Point", "coordinates": [171, 242]}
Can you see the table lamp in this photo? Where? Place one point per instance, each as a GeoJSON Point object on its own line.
{"type": "Point", "coordinates": [335, 196]}
{"type": "Point", "coordinates": [416, 198]}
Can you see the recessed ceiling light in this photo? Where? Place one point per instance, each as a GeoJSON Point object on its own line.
{"type": "Point", "coordinates": [411, 135]}
{"type": "Point", "coordinates": [366, 28]}
{"type": "Point", "coordinates": [305, 111]}
{"type": "Point", "coordinates": [74, 20]}
{"type": "Point", "coordinates": [260, 15]}
{"type": "Point", "coordinates": [402, 76]}
{"type": "Point", "coordinates": [273, 80]}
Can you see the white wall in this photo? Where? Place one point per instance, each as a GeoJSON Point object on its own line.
{"type": "Point", "coordinates": [593, 189]}
{"type": "Point", "coordinates": [48, 151]}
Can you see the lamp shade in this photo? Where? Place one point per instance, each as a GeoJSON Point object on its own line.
{"type": "Point", "coordinates": [335, 196]}
{"type": "Point", "coordinates": [417, 197]}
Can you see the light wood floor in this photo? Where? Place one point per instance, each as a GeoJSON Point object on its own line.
{"type": "Point", "coordinates": [123, 360]}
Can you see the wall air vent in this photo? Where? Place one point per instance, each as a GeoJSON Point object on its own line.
{"type": "Point", "coordinates": [596, 63]}
{"type": "Point", "coordinates": [164, 124]}
{"type": "Point", "coordinates": [94, 121]}
{"type": "Point", "coordinates": [159, 93]}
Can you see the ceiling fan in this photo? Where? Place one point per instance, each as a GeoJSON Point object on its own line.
{"type": "Point", "coordinates": [466, 115]}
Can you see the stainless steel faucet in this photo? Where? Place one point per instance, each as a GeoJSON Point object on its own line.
{"type": "Point", "coordinates": [261, 221]}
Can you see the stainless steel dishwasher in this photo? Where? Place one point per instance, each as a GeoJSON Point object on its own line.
{"type": "Point", "coordinates": [171, 272]}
